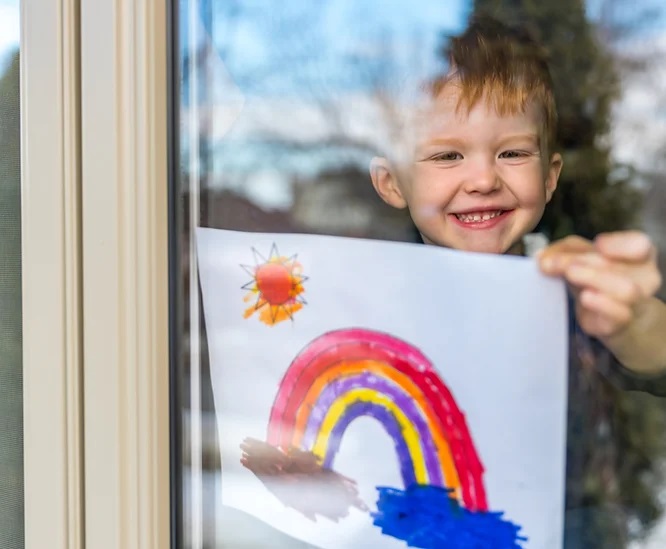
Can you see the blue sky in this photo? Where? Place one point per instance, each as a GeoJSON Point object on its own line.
{"type": "Point", "coordinates": [9, 27]}
{"type": "Point", "coordinates": [315, 46]}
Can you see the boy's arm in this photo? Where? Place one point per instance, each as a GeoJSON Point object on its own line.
{"type": "Point", "coordinates": [614, 280]}
{"type": "Point", "coordinates": [641, 346]}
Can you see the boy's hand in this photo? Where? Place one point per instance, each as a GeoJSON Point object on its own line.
{"type": "Point", "coordinates": [613, 278]}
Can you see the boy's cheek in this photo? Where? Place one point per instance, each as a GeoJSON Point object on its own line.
{"type": "Point", "coordinates": [538, 198]}
{"type": "Point", "coordinates": [425, 212]}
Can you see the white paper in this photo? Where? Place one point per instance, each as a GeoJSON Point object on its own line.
{"type": "Point", "coordinates": [493, 328]}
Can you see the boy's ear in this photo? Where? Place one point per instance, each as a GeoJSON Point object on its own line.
{"type": "Point", "coordinates": [385, 182]}
{"type": "Point", "coordinates": [553, 174]}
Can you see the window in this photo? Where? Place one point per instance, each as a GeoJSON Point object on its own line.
{"type": "Point", "coordinates": [277, 111]}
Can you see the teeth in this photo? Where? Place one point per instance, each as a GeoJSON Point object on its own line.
{"type": "Point", "coordinates": [477, 217]}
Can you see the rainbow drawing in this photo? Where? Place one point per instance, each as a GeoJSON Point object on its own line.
{"type": "Point", "coordinates": [351, 373]}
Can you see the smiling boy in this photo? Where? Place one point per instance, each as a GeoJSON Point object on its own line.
{"type": "Point", "coordinates": [479, 181]}
{"type": "Point", "coordinates": [481, 169]}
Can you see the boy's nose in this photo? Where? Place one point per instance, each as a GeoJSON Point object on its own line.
{"type": "Point", "coordinates": [483, 178]}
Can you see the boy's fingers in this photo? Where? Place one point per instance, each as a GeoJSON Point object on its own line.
{"type": "Point", "coordinates": [626, 281]}
{"type": "Point", "coordinates": [628, 247]}
{"type": "Point", "coordinates": [633, 246]}
{"type": "Point", "coordinates": [557, 263]}
{"type": "Point", "coordinates": [570, 244]}
{"type": "Point", "coordinates": [614, 285]}
{"type": "Point", "coordinates": [601, 316]}
{"type": "Point", "coordinates": [554, 259]}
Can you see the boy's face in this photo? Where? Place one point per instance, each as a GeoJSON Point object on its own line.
{"type": "Point", "coordinates": [477, 181]}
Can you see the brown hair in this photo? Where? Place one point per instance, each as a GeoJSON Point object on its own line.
{"type": "Point", "coordinates": [505, 66]}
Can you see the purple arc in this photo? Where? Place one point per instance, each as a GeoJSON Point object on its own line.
{"type": "Point", "coordinates": [401, 399]}
{"type": "Point", "coordinates": [390, 423]}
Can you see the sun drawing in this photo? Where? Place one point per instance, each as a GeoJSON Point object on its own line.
{"type": "Point", "coordinates": [275, 288]}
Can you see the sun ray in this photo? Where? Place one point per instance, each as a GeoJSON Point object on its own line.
{"type": "Point", "coordinates": [251, 286]}
{"type": "Point", "coordinates": [258, 258]}
{"type": "Point", "coordinates": [289, 314]}
{"type": "Point", "coordinates": [249, 269]}
{"type": "Point", "coordinates": [260, 303]}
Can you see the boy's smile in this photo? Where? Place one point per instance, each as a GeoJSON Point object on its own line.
{"type": "Point", "coordinates": [478, 181]}
{"type": "Point", "coordinates": [480, 219]}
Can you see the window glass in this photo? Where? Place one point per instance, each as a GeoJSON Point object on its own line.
{"type": "Point", "coordinates": [278, 110]}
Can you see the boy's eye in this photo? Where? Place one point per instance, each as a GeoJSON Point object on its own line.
{"type": "Point", "coordinates": [515, 154]}
{"type": "Point", "coordinates": [447, 156]}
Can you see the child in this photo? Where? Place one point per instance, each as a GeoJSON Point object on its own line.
{"type": "Point", "coordinates": [482, 170]}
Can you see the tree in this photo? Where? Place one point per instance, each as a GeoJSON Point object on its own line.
{"type": "Point", "coordinates": [622, 446]}
{"type": "Point", "coordinates": [593, 194]}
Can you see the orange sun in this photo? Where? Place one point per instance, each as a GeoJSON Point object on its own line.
{"type": "Point", "coordinates": [276, 287]}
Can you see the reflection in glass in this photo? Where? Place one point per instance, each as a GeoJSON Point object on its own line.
{"type": "Point", "coordinates": [282, 108]}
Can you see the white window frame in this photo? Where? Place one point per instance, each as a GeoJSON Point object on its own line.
{"type": "Point", "coordinates": [95, 274]}
{"type": "Point", "coordinates": [51, 308]}
{"type": "Point", "coordinates": [125, 273]}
